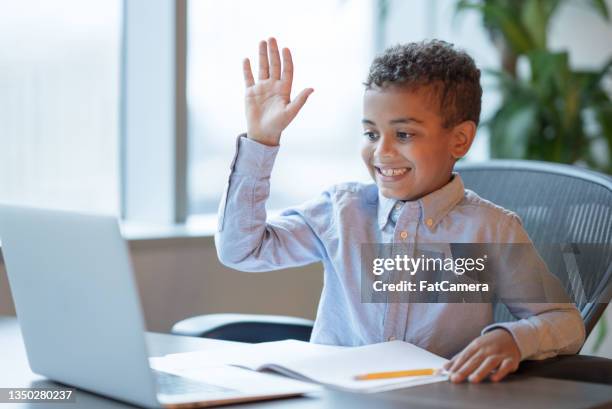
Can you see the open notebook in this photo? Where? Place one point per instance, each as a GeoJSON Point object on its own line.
{"type": "Point", "coordinates": [328, 365]}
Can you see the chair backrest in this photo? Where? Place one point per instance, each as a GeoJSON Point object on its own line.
{"type": "Point", "coordinates": [557, 204]}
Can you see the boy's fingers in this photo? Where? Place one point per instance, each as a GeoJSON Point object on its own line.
{"type": "Point", "coordinates": [298, 102]}
{"type": "Point", "coordinates": [275, 64]}
{"type": "Point", "coordinates": [508, 365]}
{"type": "Point", "coordinates": [487, 366]}
{"type": "Point", "coordinates": [467, 368]}
{"type": "Point", "coordinates": [449, 364]}
{"type": "Point", "coordinates": [248, 74]}
{"type": "Point", "coordinates": [459, 359]}
{"type": "Point", "coordinates": [287, 76]}
{"type": "Point", "coordinates": [264, 68]}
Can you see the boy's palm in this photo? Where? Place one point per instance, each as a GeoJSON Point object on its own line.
{"type": "Point", "coordinates": [268, 104]}
{"type": "Point", "coordinates": [266, 108]}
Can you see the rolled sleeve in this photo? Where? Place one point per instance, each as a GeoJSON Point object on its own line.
{"type": "Point", "coordinates": [523, 334]}
{"type": "Point", "coordinates": [550, 330]}
{"type": "Point", "coordinates": [253, 158]}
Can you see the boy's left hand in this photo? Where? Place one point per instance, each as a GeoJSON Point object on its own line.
{"type": "Point", "coordinates": [494, 353]}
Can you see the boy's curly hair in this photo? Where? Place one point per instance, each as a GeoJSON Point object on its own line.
{"type": "Point", "coordinates": [451, 73]}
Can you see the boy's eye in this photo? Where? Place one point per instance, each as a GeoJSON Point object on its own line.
{"type": "Point", "coordinates": [404, 136]}
{"type": "Point", "coordinates": [370, 135]}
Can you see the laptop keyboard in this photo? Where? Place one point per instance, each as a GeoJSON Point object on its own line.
{"type": "Point", "coordinates": [169, 384]}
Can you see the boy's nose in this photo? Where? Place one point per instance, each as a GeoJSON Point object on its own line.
{"type": "Point", "coordinates": [385, 147]}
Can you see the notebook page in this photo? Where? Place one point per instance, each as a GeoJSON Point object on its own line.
{"type": "Point", "coordinates": [329, 365]}
{"type": "Point", "coordinates": [339, 368]}
{"type": "Point", "coordinates": [251, 356]}
{"type": "Point", "coordinates": [280, 353]}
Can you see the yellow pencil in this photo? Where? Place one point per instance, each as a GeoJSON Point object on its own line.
{"type": "Point", "coordinates": [399, 374]}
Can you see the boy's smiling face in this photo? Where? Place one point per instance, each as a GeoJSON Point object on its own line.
{"type": "Point", "coordinates": [406, 149]}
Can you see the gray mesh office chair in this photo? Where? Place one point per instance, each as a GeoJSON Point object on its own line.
{"type": "Point", "coordinates": [557, 203]}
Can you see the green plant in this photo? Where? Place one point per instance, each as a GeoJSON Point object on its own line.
{"type": "Point", "coordinates": [551, 112]}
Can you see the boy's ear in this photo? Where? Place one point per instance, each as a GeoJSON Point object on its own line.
{"type": "Point", "coordinates": [462, 137]}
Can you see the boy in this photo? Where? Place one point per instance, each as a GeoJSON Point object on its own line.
{"type": "Point", "coordinates": [421, 109]}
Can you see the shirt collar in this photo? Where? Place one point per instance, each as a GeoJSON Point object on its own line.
{"type": "Point", "coordinates": [434, 205]}
{"type": "Point", "coordinates": [385, 205]}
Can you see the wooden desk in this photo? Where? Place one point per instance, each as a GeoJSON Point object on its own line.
{"type": "Point", "coordinates": [517, 392]}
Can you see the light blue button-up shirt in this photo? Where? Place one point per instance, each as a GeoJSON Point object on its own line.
{"type": "Point", "coordinates": [331, 229]}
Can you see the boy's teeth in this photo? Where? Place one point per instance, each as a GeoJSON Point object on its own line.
{"type": "Point", "coordinates": [393, 172]}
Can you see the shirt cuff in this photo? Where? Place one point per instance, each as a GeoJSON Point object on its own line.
{"type": "Point", "coordinates": [522, 333]}
{"type": "Point", "coordinates": [253, 158]}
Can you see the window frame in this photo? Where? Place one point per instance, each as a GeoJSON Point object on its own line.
{"type": "Point", "coordinates": [153, 112]}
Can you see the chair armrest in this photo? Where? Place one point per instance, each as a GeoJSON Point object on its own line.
{"type": "Point", "coordinates": [583, 368]}
{"type": "Point", "coordinates": [251, 328]}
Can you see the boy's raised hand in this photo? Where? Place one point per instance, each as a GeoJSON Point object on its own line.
{"type": "Point", "coordinates": [269, 108]}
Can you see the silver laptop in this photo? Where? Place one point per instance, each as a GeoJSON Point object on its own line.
{"type": "Point", "coordinates": [78, 308]}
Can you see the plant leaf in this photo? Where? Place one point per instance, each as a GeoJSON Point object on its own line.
{"type": "Point", "coordinates": [535, 20]}
{"type": "Point", "coordinates": [511, 129]}
{"type": "Point", "coordinates": [503, 17]}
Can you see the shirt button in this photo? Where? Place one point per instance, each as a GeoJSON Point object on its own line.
{"type": "Point", "coordinates": [429, 222]}
{"type": "Point", "coordinates": [403, 235]}
{"type": "Point", "coordinates": [398, 206]}
{"type": "Point", "coordinates": [391, 339]}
